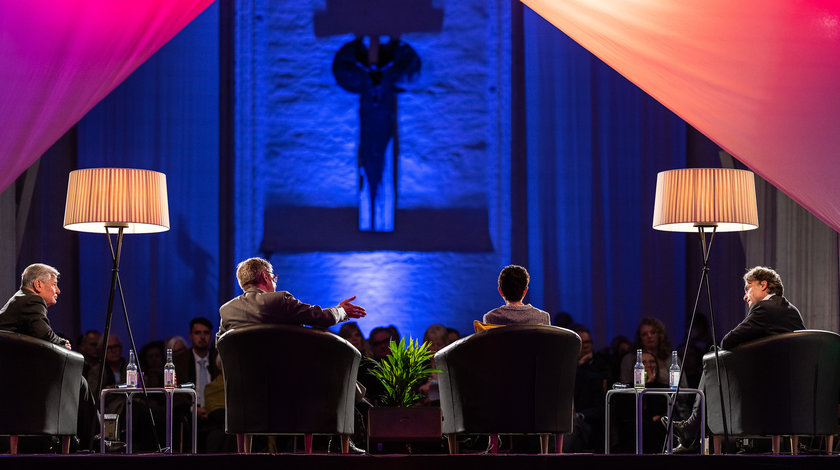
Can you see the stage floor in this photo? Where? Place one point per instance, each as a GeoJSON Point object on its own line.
{"type": "Point", "coordinates": [415, 462]}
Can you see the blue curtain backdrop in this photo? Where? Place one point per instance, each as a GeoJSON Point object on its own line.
{"type": "Point", "coordinates": [595, 143]}
{"type": "Point", "coordinates": [164, 117]}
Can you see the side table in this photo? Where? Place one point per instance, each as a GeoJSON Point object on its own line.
{"type": "Point", "coordinates": [640, 394]}
{"type": "Point", "coordinates": [129, 393]}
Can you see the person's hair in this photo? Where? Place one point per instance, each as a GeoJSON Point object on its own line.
{"type": "Point", "coordinates": [578, 328]}
{"type": "Point", "coordinates": [449, 331]}
{"type": "Point", "coordinates": [513, 280]}
{"type": "Point", "coordinates": [563, 319]}
{"type": "Point", "coordinates": [248, 271]}
{"type": "Point", "coordinates": [761, 273]}
{"type": "Point", "coordinates": [200, 321]}
{"type": "Point", "coordinates": [617, 341]}
{"type": "Point", "coordinates": [170, 343]}
{"type": "Point", "coordinates": [381, 329]}
{"type": "Point", "coordinates": [436, 336]}
{"type": "Point", "coordinates": [395, 333]}
{"type": "Point", "coordinates": [664, 349]}
{"type": "Point", "coordinates": [37, 271]}
{"type": "Point", "coordinates": [347, 330]}
{"type": "Point", "coordinates": [158, 344]}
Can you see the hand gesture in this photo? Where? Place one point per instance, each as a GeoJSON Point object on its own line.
{"type": "Point", "coordinates": [353, 311]}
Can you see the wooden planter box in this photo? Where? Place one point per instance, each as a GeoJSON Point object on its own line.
{"type": "Point", "coordinates": [402, 425]}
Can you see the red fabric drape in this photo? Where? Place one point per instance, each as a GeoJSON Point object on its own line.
{"type": "Point", "coordinates": [58, 59]}
{"type": "Point", "coordinates": [759, 77]}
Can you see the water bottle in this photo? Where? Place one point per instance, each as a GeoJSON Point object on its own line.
{"type": "Point", "coordinates": [131, 370]}
{"type": "Point", "coordinates": [639, 371]}
{"type": "Point", "coordinates": [674, 371]}
{"type": "Point", "coordinates": [169, 380]}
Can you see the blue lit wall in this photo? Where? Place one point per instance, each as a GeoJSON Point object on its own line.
{"type": "Point", "coordinates": [304, 134]}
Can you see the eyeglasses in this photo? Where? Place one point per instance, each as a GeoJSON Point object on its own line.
{"type": "Point", "coordinates": [273, 276]}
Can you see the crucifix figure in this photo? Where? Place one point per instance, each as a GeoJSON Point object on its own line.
{"type": "Point", "coordinates": [375, 70]}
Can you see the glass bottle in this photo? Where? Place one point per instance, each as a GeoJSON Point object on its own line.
{"type": "Point", "coordinates": [674, 371]}
{"type": "Point", "coordinates": [639, 371]}
{"type": "Point", "coordinates": [169, 380]}
{"type": "Point", "coordinates": [131, 370]}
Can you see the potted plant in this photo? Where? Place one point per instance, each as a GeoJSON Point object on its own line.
{"type": "Point", "coordinates": [401, 374]}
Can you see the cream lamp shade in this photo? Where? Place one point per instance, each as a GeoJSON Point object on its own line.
{"type": "Point", "coordinates": [705, 197]}
{"type": "Point", "coordinates": [133, 199]}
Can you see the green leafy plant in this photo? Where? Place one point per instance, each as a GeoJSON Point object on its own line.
{"type": "Point", "coordinates": [403, 371]}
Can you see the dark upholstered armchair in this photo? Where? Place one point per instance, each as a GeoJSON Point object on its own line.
{"type": "Point", "coordinates": [509, 380]}
{"type": "Point", "coordinates": [282, 379]}
{"type": "Point", "coordinates": [40, 392]}
{"type": "Point", "coordinates": [786, 384]}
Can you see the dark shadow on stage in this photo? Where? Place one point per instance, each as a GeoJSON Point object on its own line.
{"type": "Point", "coordinates": [415, 462]}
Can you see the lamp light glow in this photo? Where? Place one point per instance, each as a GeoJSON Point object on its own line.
{"type": "Point", "coordinates": [116, 197]}
{"type": "Point", "coordinates": [705, 197]}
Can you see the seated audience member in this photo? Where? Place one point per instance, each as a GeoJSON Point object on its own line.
{"type": "Point", "coordinates": [452, 335]}
{"type": "Point", "coordinates": [380, 346]}
{"type": "Point", "coordinates": [214, 404]}
{"type": "Point", "coordinates": [114, 366]}
{"type": "Point", "coordinates": [700, 336]}
{"type": "Point", "coordinates": [590, 387]}
{"type": "Point", "coordinates": [563, 320]}
{"type": "Point", "coordinates": [650, 336]}
{"type": "Point", "coordinates": [513, 285]}
{"type": "Point", "coordinates": [87, 348]}
{"type": "Point", "coordinates": [351, 332]}
{"type": "Point", "coordinates": [619, 347]}
{"type": "Point", "coordinates": [178, 345]}
{"type": "Point", "coordinates": [437, 337]}
{"type": "Point", "coordinates": [152, 358]}
{"type": "Point", "coordinates": [380, 341]}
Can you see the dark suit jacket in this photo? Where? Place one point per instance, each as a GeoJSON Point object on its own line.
{"type": "Point", "coordinates": [255, 307]}
{"type": "Point", "coordinates": [185, 366]}
{"type": "Point", "coordinates": [766, 318]}
{"type": "Point", "coordinates": [26, 313]}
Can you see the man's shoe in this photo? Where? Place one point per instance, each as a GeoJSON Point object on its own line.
{"type": "Point", "coordinates": [690, 449]}
{"type": "Point", "coordinates": [335, 447]}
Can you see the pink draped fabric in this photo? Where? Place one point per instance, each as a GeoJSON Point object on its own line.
{"type": "Point", "coordinates": [58, 59]}
{"type": "Point", "coordinates": [759, 77]}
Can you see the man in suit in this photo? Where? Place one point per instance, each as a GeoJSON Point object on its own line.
{"type": "Point", "coordinates": [770, 313]}
{"type": "Point", "coordinates": [261, 303]}
{"type": "Point", "coordinates": [198, 366]}
{"type": "Point", "coordinates": [26, 313]}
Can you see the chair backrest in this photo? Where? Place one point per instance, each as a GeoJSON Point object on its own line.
{"type": "Point", "coordinates": [40, 392]}
{"type": "Point", "coordinates": [512, 380]}
{"type": "Point", "coordinates": [283, 379]}
{"type": "Point", "coordinates": [778, 385]}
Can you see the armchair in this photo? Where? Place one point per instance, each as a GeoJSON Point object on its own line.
{"type": "Point", "coordinates": [511, 380]}
{"type": "Point", "coordinates": [283, 379]}
{"type": "Point", "coordinates": [786, 384]}
{"type": "Point", "coordinates": [41, 395]}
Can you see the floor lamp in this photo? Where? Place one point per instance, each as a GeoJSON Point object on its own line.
{"type": "Point", "coordinates": [116, 201]}
{"type": "Point", "coordinates": [706, 201]}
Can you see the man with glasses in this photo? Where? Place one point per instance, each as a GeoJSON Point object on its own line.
{"type": "Point", "coordinates": [261, 303]}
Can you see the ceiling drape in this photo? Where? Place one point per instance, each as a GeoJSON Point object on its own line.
{"type": "Point", "coordinates": [758, 77]}
{"type": "Point", "coordinates": [58, 59]}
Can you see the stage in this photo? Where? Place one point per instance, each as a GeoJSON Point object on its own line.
{"type": "Point", "coordinates": [415, 462]}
